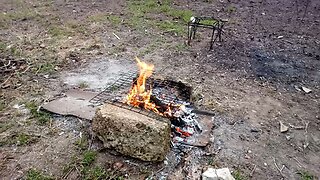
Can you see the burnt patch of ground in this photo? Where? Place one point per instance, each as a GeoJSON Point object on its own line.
{"type": "Point", "coordinates": [285, 69]}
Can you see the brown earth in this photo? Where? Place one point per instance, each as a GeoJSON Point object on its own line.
{"type": "Point", "coordinates": [252, 79]}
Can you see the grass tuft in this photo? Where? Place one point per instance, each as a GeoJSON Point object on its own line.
{"type": "Point", "coordinates": [83, 85]}
{"type": "Point", "coordinates": [88, 158]}
{"type": "Point", "coordinates": [305, 175]}
{"type": "Point", "coordinates": [141, 9]}
{"type": "Point", "coordinates": [34, 174]}
{"type": "Point", "coordinates": [40, 116]}
{"type": "Point", "coordinates": [104, 18]}
{"type": "Point", "coordinates": [170, 26]}
{"type": "Point", "coordinates": [238, 175]}
{"type": "Point", "coordinates": [2, 105]}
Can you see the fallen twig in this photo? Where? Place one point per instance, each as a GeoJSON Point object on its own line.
{"type": "Point", "coordinates": [131, 163]}
{"type": "Point", "coordinates": [299, 164]}
{"type": "Point", "coordinates": [5, 81]}
{"type": "Point", "coordinates": [296, 127]}
{"type": "Point", "coordinates": [116, 36]}
{"type": "Point", "coordinates": [280, 170]}
{"type": "Point", "coordinates": [306, 128]}
{"type": "Point", "coordinates": [306, 144]}
{"type": "Point", "coordinates": [254, 168]}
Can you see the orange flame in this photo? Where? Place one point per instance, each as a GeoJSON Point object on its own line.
{"type": "Point", "coordinates": [139, 95]}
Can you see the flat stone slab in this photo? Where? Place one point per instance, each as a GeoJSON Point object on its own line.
{"type": "Point", "coordinates": [131, 133]}
{"type": "Point", "coordinates": [74, 103]}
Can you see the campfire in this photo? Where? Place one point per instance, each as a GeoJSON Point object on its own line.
{"type": "Point", "coordinates": [154, 97]}
{"type": "Point", "coordinates": [147, 94]}
{"type": "Point", "coordinates": [141, 96]}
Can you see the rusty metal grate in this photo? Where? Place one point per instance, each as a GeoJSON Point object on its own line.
{"type": "Point", "coordinates": [163, 90]}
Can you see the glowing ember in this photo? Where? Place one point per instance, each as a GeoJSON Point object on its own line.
{"type": "Point", "coordinates": [139, 95]}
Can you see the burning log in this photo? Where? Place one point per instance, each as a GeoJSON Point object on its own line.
{"type": "Point", "coordinates": [131, 133]}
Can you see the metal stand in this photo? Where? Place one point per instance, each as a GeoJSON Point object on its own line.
{"type": "Point", "coordinates": [216, 26]}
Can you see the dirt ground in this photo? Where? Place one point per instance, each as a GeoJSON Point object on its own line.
{"type": "Point", "coordinates": [253, 80]}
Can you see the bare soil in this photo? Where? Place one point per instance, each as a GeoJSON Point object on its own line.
{"type": "Point", "coordinates": [253, 80]}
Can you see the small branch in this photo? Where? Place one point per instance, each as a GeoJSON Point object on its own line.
{"type": "Point", "coordinates": [299, 164]}
{"type": "Point", "coordinates": [280, 170]}
{"type": "Point", "coordinates": [116, 36]}
{"type": "Point", "coordinates": [296, 127]}
{"type": "Point", "coordinates": [5, 81]}
{"type": "Point", "coordinates": [306, 128]}
{"type": "Point", "coordinates": [254, 168]}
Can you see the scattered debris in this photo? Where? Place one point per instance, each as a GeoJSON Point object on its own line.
{"type": "Point", "coordinates": [217, 174]}
{"type": "Point", "coordinates": [283, 128]}
{"type": "Point", "coordinates": [296, 127]}
{"type": "Point", "coordinates": [280, 170]}
{"type": "Point", "coordinates": [254, 168]}
{"type": "Point", "coordinates": [306, 90]}
{"type": "Point", "coordinates": [116, 36]}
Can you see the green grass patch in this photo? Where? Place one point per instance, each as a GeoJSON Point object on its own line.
{"type": "Point", "coordinates": [183, 15]}
{"type": "Point", "coordinates": [76, 27]}
{"type": "Point", "coordinates": [238, 175]}
{"type": "Point", "coordinates": [40, 116]}
{"type": "Point", "coordinates": [169, 26]}
{"type": "Point", "coordinates": [141, 10]}
{"type": "Point", "coordinates": [23, 139]}
{"type": "Point", "coordinates": [5, 126]}
{"type": "Point", "coordinates": [34, 174]}
{"type": "Point", "coordinates": [82, 143]}
{"type": "Point", "coordinates": [2, 105]}
{"type": "Point", "coordinates": [59, 31]}
{"type": "Point", "coordinates": [83, 85]}
{"type": "Point", "coordinates": [19, 139]}
{"type": "Point", "coordinates": [95, 173]}
{"type": "Point", "coordinates": [12, 50]}
{"type": "Point", "coordinates": [46, 67]}
{"type": "Point", "coordinates": [181, 47]}
{"type": "Point", "coordinates": [305, 175]}
{"type": "Point", "coordinates": [7, 19]}
{"type": "Point", "coordinates": [105, 18]}
{"type": "Point", "coordinates": [209, 22]}
{"type": "Point", "coordinates": [88, 158]}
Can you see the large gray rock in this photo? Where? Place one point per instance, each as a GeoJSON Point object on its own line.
{"type": "Point", "coordinates": [131, 133]}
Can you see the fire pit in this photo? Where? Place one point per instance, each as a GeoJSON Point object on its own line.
{"type": "Point", "coordinates": [154, 106]}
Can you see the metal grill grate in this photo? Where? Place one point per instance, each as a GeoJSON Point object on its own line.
{"type": "Point", "coordinates": [163, 91]}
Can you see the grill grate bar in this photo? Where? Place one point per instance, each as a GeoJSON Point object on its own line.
{"type": "Point", "coordinates": [165, 91]}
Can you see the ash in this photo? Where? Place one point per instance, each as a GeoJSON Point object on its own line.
{"type": "Point", "coordinates": [184, 125]}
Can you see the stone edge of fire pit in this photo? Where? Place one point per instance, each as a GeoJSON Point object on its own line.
{"type": "Point", "coordinates": [131, 133]}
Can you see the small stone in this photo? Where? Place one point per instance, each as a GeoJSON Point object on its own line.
{"type": "Point", "coordinates": [297, 88]}
{"type": "Point", "coordinates": [306, 90]}
{"type": "Point", "coordinates": [249, 151]}
{"type": "Point", "coordinates": [42, 45]}
{"type": "Point", "coordinates": [265, 164]}
{"type": "Point", "coordinates": [247, 156]}
{"type": "Point", "coordinates": [283, 128]}
{"type": "Point", "coordinates": [217, 174]}
{"type": "Point", "coordinates": [288, 138]}
{"type": "Point", "coordinates": [280, 37]}
{"type": "Point", "coordinates": [117, 165]}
